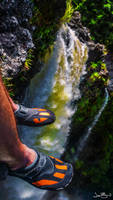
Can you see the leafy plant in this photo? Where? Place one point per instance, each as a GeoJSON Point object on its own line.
{"type": "Point", "coordinates": [97, 16]}
{"type": "Point", "coordinates": [29, 60]}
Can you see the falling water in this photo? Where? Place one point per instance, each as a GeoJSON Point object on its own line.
{"type": "Point", "coordinates": [55, 87]}
{"type": "Point", "coordinates": [84, 139]}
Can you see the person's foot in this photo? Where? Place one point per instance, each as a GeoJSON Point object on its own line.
{"type": "Point", "coordinates": [17, 159]}
{"type": "Point", "coordinates": [41, 171]}
{"type": "Point", "coordinates": [46, 172]}
{"type": "Point", "coordinates": [34, 116]}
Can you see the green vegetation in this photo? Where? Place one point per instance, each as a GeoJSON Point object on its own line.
{"type": "Point", "coordinates": [79, 164]}
{"type": "Point", "coordinates": [93, 91]}
{"type": "Point", "coordinates": [16, 84]}
{"type": "Point", "coordinates": [9, 85]}
{"type": "Point", "coordinates": [101, 172]}
{"type": "Point", "coordinates": [98, 170]}
{"type": "Point", "coordinates": [47, 21]}
{"type": "Point", "coordinates": [95, 168]}
{"type": "Point", "coordinates": [29, 60]}
{"type": "Point", "coordinates": [68, 12]}
{"type": "Point", "coordinates": [97, 16]}
{"type": "Point", "coordinates": [46, 26]}
{"type": "Point", "coordinates": [99, 71]}
{"type": "Point", "coordinates": [90, 168]}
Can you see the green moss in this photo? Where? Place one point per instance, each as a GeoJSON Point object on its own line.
{"type": "Point", "coordinates": [68, 12]}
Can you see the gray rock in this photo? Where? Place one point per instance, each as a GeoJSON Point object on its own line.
{"type": "Point", "coordinates": [15, 34]}
{"type": "Point", "coordinates": [81, 32]}
{"type": "Point", "coordinates": [95, 50]}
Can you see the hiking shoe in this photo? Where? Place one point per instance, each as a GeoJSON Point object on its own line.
{"type": "Point", "coordinates": [34, 116]}
{"type": "Point", "coordinates": [46, 172]}
{"type": "Point", "coordinates": [3, 171]}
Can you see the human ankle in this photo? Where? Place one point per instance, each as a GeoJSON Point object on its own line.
{"type": "Point", "coordinates": [23, 159]}
{"type": "Point", "coordinates": [15, 107]}
{"type": "Point", "coordinates": [29, 155]}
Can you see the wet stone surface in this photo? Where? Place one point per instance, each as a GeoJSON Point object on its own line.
{"type": "Point", "coordinates": [95, 50]}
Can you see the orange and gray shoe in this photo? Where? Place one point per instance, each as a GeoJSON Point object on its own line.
{"type": "Point", "coordinates": [46, 172]}
{"type": "Point", "coordinates": [34, 116]}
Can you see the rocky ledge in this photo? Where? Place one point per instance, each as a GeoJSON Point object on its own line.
{"type": "Point", "coordinates": [15, 34]}
{"type": "Point", "coordinates": [83, 33]}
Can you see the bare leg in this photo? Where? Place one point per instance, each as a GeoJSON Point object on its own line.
{"type": "Point", "coordinates": [12, 151]}
{"type": "Point", "coordinates": [14, 105]}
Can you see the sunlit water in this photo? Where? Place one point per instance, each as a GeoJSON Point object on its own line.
{"type": "Point", "coordinates": [55, 87]}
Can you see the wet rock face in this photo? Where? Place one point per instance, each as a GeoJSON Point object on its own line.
{"type": "Point", "coordinates": [81, 32]}
{"type": "Point", "coordinates": [95, 49]}
{"type": "Point", "coordinates": [15, 34]}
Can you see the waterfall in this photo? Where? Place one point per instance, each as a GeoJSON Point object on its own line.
{"type": "Point", "coordinates": [84, 139]}
{"type": "Point", "coordinates": [55, 87]}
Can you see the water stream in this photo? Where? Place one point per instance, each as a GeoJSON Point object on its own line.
{"type": "Point", "coordinates": [83, 140]}
{"type": "Point", "coordinates": [56, 87]}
